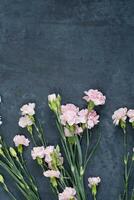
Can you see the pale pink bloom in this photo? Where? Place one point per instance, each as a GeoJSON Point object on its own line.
{"type": "Point", "coordinates": [130, 114]}
{"type": "Point", "coordinates": [51, 97]}
{"type": "Point", "coordinates": [95, 96]}
{"type": "Point", "coordinates": [48, 151]}
{"type": "Point", "coordinates": [69, 114]}
{"type": "Point", "coordinates": [25, 121]}
{"type": "Point", "coordinates": [28, 109]}
{"type": "Point", "coordinates": [38, 152]}
{"type": "Point", "coordinates": [67, 132]}
{"type": "Point", "coordinates": [93, 181]}
{"type": "Point", "coordinates": [69, 106]}
{"type": "Point", "coordinates": [82, 116]}
{"type": "Point", "coordinates": [21, 140]}
{"type": "Point", "coordinates": [67, 194]}
{"type": "Point", "coordinates": [120, 114]}
{"type": "Point", "coordinates": [93, 119]}
{"type": "Point", "coordinates": [52, 173]}
{"type": "Point", "coordinates": [77, 131]}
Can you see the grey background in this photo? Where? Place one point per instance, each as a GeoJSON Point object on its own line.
{"type": "Point", "coordinates": [68, 46]}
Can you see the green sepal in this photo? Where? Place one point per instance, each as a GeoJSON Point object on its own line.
{"type": "Point", "coordinates": [122, 124]}
{"type": "Point", "coordinates": [132, 124]}
{"type": "Point", "coordinates": [20, 148]}
{"type": "Point", "coordinates": [53, 182]}
{"type": "Point", "coordinates": [30, 129]}
{"type": "Point", "coordinates": [13, 152]}
{"type": "Point", "coordinates": [39, 161]}
{"type": "Point", "coordinates": [71, 140]}
{"type": "Point", "coordinates": [94, 190]}
{"type": "Point", "coordinates": [91, 105]}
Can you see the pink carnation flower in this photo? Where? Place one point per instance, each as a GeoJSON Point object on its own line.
{"type": "Point", "coordinates": [67, 194]}
{"type": "Point", "coordinates": [93, 181]}
{"type": "Point", "coordinates": [21, 140]}
{"type": "Point", "coordinates": [52, 173]}
{"type": "Point", "coordinates": [120, 114]}
{"type": "Point", "coordinates": [38, 152]}
{"type": "Point", "coordinates": [25, 121]}
{"type": "Point", "coordinates": [69, 114]}
{"type": "Point", "coordinates": [67, 132]}
{"type": "Point", "coordinates": [48, 151]}
{"type": "Point", "coordinates": [95, 96]}
{"type": "Point", "coordinates": [93, 119]}
{"type": "Point", "coordinates": [82, 116]}
{"type": "Point", "coordinates": [130, 114]}
{"type": "Point", "coordinates": [28, 109]}
{"type": "Point", "coordinates": [77, 131]}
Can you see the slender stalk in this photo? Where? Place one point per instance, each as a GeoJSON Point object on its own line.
{"type": "Point", "coordinates": [33, 139]}
{"type": "Point", "coordinates": [27, 174]}
{"type": "Point", "coordinates": [7, 190]}
{"type": "Point", "coordinates": [92, 152]}
{"type": "Point", "coordinates": [125, 165]}
{"type": "Point", "coordinates": [40, 135]}
{"type": "Point", "coordinates": [132, 195]}
{"type": "Point", "coordinates": [95, 197]}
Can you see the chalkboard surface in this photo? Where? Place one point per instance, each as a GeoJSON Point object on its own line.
{"type": "Point", "coordinates": [67, 47]}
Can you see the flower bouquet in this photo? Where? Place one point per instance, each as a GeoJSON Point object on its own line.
{"type": "Point", "coordinates": [65, 164]}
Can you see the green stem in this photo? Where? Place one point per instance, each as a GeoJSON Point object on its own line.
{"type": "Point", "coordinates": [33, 140]}
{"type": "Point", "coordinates": [126, 165]}
{"type": "Point", "coordinates": [7, 190]}
{"type": "Point", "coordinates": [95, 197]}
{"type": "Point", "coordinates": [92, 152]}
{"type": "Point", "coordinates": [40, 135]}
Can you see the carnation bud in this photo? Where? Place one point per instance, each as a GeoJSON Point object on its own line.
{"type": "Point", "coordinates": [30, 129]}
{"type": "Point", "coordinates": [13, 152]}
{"type": "Point", "coordinates": [72, 168]}
{"type": "Point", "coordinates": [1, 152]}
{"type": "Point", "coordinates": [81, 171]}
{"type": "Point", "coordinates": [58, 102]}
{"type": "Point", "coordinates": [125, 160]}
{"type": "Point", "coordinates": [54, 102]}
{"type": "Point", "coordinates": [1, 179]}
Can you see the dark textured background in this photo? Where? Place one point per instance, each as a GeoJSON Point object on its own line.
{"type": "Point", "coordinates": [68, 46]}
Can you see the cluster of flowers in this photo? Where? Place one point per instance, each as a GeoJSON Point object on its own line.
{"type": "Point", "coordinates": [75, 120]}
{"type": "Point", "coordinates": [27, 112]}
{"type": "Point", "coordinates": [52, 157]}
{"type": "Point", "coordinates": [120, 116]}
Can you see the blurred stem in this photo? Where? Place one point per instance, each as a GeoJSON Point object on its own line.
{"type": "Point", "coordinates": [95, 197]}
